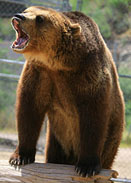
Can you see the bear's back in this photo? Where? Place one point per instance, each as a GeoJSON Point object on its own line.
{"type": "Point", "coordinates": [90, 29]}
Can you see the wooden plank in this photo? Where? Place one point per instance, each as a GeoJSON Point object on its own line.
{"type": "Point", "coordinates": [48, 173]}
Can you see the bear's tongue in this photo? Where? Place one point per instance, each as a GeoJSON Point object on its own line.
{"type": "Point", "coordinates": [20, 42]}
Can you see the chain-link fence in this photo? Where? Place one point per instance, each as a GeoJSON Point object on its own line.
{"type": "Point", "coordinates": [11, 65]}
{"type": "Point", "coordinates": [9, 7]}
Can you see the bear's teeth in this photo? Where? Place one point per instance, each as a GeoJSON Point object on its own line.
{"type": "Point", "coordinates": [21, 42]}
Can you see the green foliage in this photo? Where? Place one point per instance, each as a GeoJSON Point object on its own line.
{"type": "Point", "coordinates": [119, 19]}
{"type": "Point", "coordinates": [121, 5]}
{"type": "Point", "coordinates": [7, 96]}
{"type": "Point", "coordinates": [3, 53]}
{"type": "Point", "coordinates": [125, 68]}
{"type": "Point", "coordinates": [112, 16]}
{"type": "Point", "coordinates": [126, 139]}
{"type": "Point", "coordinates": [73, 4]}
{"type": "Point", "coordinates": [7, 103]}
{"type": "Point", "coordinates": [6, 31]}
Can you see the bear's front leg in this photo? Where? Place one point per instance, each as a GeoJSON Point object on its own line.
{"type": "Point", "coordinates": [93, 129]}
{"type": "Point", "coordinates": [33, 99]}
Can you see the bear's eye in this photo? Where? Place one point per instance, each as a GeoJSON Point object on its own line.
{"type": "Point", "coordinates": [39, 19]}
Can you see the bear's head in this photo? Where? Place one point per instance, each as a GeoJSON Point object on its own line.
{"type": "Point", "coordinates": [42, 32]}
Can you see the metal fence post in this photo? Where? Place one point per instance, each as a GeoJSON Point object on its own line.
{"type": "Point", "coordinates": [79, 5]}
{"type": "Point", "coordinates": [66, 5]}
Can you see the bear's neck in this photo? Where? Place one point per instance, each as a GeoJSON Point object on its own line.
{"type": "Point", "coordinates": [52, 63]}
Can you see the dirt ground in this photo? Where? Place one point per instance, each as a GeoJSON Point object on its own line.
{"type": "Point", "coordinates": [123, 163]}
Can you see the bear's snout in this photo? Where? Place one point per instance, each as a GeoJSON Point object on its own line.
{"type": "Point", "coordinates": [19, 16]}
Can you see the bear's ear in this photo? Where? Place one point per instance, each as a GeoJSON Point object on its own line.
{"type": "Point", "coordinates": [75, 28]}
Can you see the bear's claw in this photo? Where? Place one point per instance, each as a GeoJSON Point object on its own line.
{"type": "Point", "coordinates": [88, 168]}
{"type": "Point", "coordinates": [17, 160]}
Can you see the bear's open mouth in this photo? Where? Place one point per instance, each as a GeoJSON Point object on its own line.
{"type": "Point", "coordinates": [22, 37]}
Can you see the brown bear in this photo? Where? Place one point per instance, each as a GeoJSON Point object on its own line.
{"type": "Point", "coordinates": [69, 75]}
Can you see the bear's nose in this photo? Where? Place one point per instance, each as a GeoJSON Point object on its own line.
{"type": "Point", "coordinates": [20, 16]}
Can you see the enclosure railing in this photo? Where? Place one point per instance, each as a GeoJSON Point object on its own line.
{"type": "Point", "coordinates": [16, 77]}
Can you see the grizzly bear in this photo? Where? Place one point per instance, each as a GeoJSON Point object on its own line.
{"type": "Point", "coordinates": [69, 75]}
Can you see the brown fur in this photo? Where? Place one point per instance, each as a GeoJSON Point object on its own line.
{"type": "Point", "coordinates": [70, 76]}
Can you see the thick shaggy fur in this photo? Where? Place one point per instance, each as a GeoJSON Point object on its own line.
{"type": "Point", "coordinates": [70, 76]}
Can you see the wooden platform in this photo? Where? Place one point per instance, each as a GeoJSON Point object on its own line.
{"type": "Point", "coordinates": [49, 173]}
